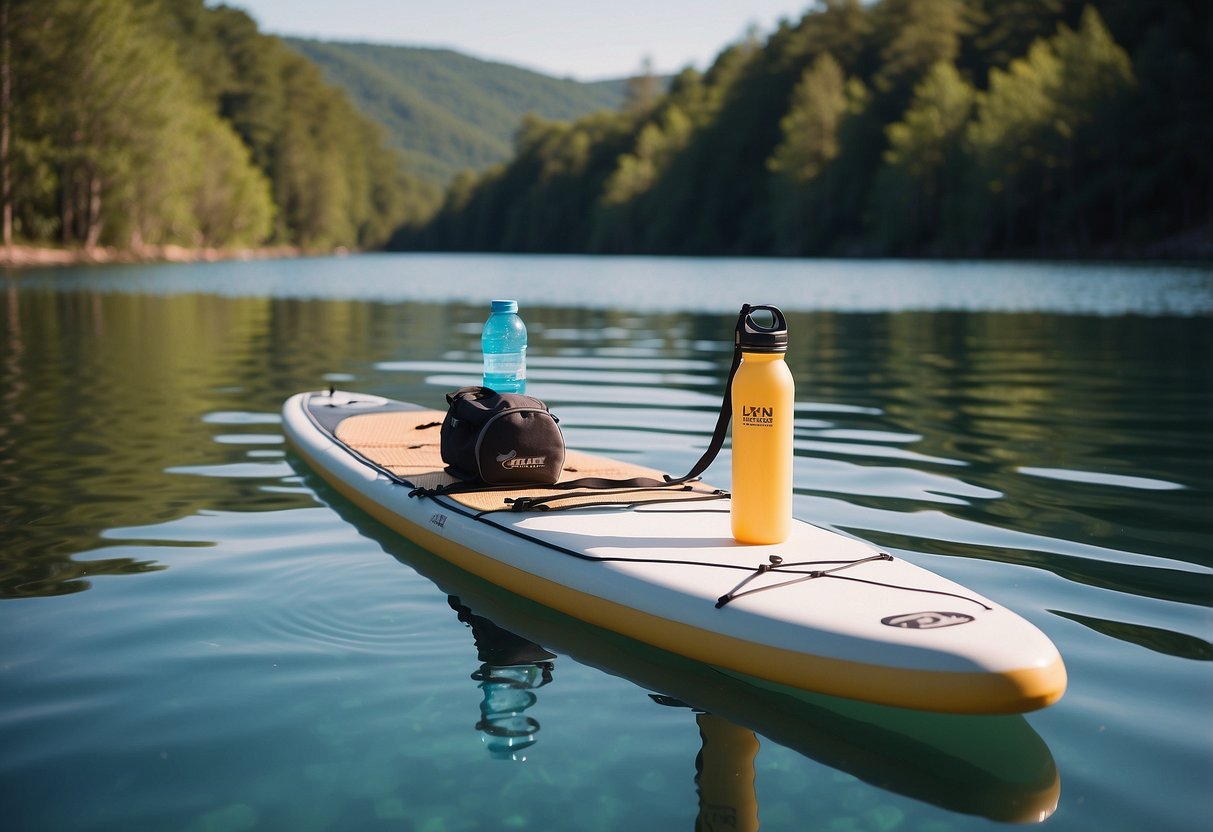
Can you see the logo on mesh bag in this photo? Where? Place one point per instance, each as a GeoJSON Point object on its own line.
{"type": "Point", "coordinates": [510, 459]}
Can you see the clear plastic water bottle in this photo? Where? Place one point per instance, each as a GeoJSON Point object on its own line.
{"type": "Point", "coordinates": [503, 342]}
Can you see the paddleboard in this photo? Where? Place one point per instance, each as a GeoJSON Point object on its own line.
{"type": "Point", "coordinates": [994, 766]}
{"type": "Point", "coordinates": [821, 612]}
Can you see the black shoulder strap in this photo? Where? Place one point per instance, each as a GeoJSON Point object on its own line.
{"type": "Point", "coordinates": [709, 456]}
{"type": "Point", "coordinates": [726, 408]}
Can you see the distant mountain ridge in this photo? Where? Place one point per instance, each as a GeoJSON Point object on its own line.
{"type": "Point", "coordinates": [448, 111]}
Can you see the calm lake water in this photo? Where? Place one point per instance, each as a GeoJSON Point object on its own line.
{"type": "Point", "coordinates": [196, 634]}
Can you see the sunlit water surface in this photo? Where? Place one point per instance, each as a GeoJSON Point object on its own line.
{"type": "Point", "coordinates": [198, 635]}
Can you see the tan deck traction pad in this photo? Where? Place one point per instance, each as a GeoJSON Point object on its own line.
{"type": "Point", "coordinates": [407, 444]}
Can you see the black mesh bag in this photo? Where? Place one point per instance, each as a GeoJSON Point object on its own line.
{"type": "Point", "coordinates": [500, 438]}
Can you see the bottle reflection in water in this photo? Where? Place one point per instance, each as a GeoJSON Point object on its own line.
{"type": "Point", "coordinates": [512, 668]}
{"type": "Point", "coordinates": [506, 730]}
{"type": "Point", "coordinates": [724, 773]}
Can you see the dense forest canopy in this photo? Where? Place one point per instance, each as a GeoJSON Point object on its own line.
{"type": "Point", "coordinates": [894, 127]}
{"type": "Point", "coordinates": [898, 127]}
{"type": "Point", "coordinates": [136, 123]}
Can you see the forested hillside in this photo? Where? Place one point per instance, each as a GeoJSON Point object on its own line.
{"type": "Point", "coordinates": [450, 112]}
{"type": "Point", "coordinates": [136, 123]}
{"type": "Point", "coordinates": [894, 127]}
{"type": "Point", "coordinates": [899, 127]}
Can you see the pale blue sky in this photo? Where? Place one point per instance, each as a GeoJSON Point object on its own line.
{"type": "Point", "coordinates": [588, 41]}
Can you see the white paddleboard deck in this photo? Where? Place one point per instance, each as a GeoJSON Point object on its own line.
{"type": "Point", "coordinates": [821, 611]}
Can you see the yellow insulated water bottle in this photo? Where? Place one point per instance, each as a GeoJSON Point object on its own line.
{"type": "Point", "coordinates": [762, 394]}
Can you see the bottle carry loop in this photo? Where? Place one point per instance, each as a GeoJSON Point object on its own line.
{"type": "Point", "coordinates": [744, 326]}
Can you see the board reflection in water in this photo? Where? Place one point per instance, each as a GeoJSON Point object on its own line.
{"type": "Point", "coordinates": [995, 767]}
{"type": "Point", "coordinates": [513, 668]}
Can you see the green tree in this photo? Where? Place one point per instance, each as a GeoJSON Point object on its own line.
{"type": "Point", "coordinates": [916, 35]}
{"type": "Point", "coordinates": [1031, 128]}
{"type": "Point", "coordinates": [843, 28]}
{"type": "Point", "coordinates": [923, 163]}
{"type": "Point", "coordinates": [568, 165]}
{"type": "Point", "coordinates": [1096, 80]}
{"type": "Point", "coordinates": [1016, 111]}
{"type": "Point", "coordinates": [814, 187]}
{"type": "Point", "coordinates": [685, 206]}
{"type": "Point", "coordinates": [334, 180]}
{"type": "Point", "coordinates": [108, 130]}
{"type": "Point", "coordinates": [110, 111]}
{"type": "Point", "coordinates": [6, 111]}
{"type": "Point", "coordinates": [1166, 130]}
{"type": "Point", "coordinates": [643, 90]}
{"type": "Point", "coordinates": [810, 129]}
{"type": "Point", "coordinates": [231, 198]}
{"type": "Point", "coordinates": [622, 220]}
{"type": "Point", "coordinates": [1005, 29]}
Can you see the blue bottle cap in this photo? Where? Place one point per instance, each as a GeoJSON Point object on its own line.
{"type": "Point", "coordinates": [505, 306]}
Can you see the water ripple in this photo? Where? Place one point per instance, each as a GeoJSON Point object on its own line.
{"type": "Point", "coordinates": [241, 418]}
{"type": "Point", "coordinates": [234, 470]}
{"type": "Point", "coordinates": [307, 613]}
{"type": "Point", "coordinates": [1101, 478]}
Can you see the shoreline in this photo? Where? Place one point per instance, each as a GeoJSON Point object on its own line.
{"type": "Point", "coordinates": [24, 256]}
{"type": "Point", "coordinates": [1191, 247]}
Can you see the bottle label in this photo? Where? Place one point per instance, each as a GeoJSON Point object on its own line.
{"type": "Point", "coordinates": [509, 364]}
{"type": "Point", "coordinates": [760, 417]}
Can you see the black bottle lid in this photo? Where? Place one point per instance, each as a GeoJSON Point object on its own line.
{"type": "Point", "coordinates": [761, 335]}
